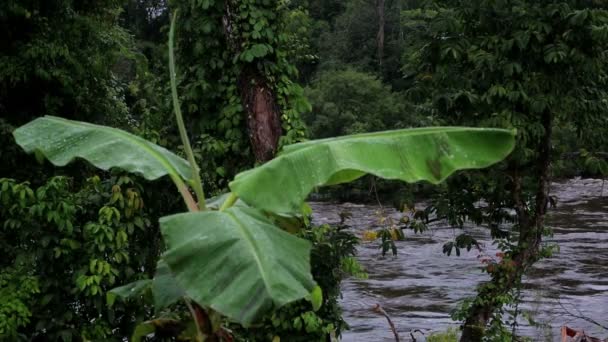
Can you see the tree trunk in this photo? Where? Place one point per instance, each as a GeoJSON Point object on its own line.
{"type": "Point", "coordinates": [257, 96]}
{"type": "Point", "coordinates": [380, 35]}
{"type": "Point", "coordinates": [263, 114]}
{"type": "Point", "coordinates": [504, 279]}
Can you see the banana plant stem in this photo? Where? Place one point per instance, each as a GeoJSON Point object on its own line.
{"type": "Point", "coordinates": [199, 333]}
{"type": "Point", "coordinates": [186, 195]}
{"type": "Point", "coordinates": [229, 202]}
{"type": "Point", "coordinates": [197, 185]}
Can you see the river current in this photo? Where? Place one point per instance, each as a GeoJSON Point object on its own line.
{"type": "Point", "coordinates": [421, 286]}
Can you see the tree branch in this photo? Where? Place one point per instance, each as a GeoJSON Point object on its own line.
{"type": "Point", "coordinates": [378, 309]}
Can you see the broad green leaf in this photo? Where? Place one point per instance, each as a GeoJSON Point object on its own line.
{"type": "Point", "coordinates": [316, 298]}
{"type": "Point", "coordinates": [236, 261]}
{"type": "Point", "coordinates": [142, 330]}
{"type": "Point", "coordinates": [147, 328]}
{"type": "Point", "coordinates": [165, 290]}
{"type": "Point", "coordinates": [288, 222]}
{"type": "Point", "coordinates": [61, 141]}
{"type": "Point", "coordinates": [136, 288]}
{"type": "Point", "coordinates": [164, 287]}
{"type": "Point", "coordinates": [423, 154]}
{"type": "Point", "coordinates": [214, 203]}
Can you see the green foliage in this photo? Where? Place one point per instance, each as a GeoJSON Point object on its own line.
{"type": "Point", "coordinates": [534, 66]}
{"type": "Point", "coordinates": [451, 335]}
{"type": "Point", "coordinates": [64, 246]}
{"type": "Point", "coordinates": [410, 155]}
{"type": "Point", "coordinates": [323, 10]}
{"type": "Point", "coordinates": [145, 20]}
{"type": "Point", "coordinates": [72, 59]}
{"type": "Point", "coordinates": [219, 59]}
{"type": "Point", "coordinates": [250, 264]}
{"type": "Point", "coordinates": [100, 235]}
{"type": "Point", "coordinates": [272, 261]}
{"type": "Point", "coordinates": [17, 290]}
{"type": "Point", "coordinates": [64, 58]}
{"type": "Point", "coordinates": [349, 102]}
{"type": "Point", "coordinates": [10, 152]}
{"type": "Point", "coordinates": [57, 59]}
{"type": "Point", "coordinates": [521, 66]}
{"type": "Point", "coordinates": [299, 30]}
{"type": "Point", "coordinates": [349, 38]}
{"type": "Point", "coordinates": [62, 141]}
{"type": "Point", "coordinates": [594, 164]}
{"type": "Point", "coordinates": [332, 257]}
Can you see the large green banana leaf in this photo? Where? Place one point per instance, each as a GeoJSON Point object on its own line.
{"type": "Point", "coordinates": [131, 290]}
{"type": "Point", "coordinates": [164, 288]}
{"type": "Point", "coordinates": [62, 140]}
{"type": "Point", "coordinates": [236, 261]}
{"type": "Point", "coordinates": [411, 155]}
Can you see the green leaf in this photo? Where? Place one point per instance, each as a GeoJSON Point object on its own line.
{"type": "Point", "coordinates": [411, 155]}
{"type": "Point", "coordinates": [130, 290]}
{"type": "Point", "coordinates": [289, 222]}
{"type": "Point", "coordinates": [236, 261]}
{"type": "Point", "coordinates": [316, 298]}
{"type": "Point", "coordinates": [214, 203]}
{"type": "Point", "coordinates": [164, 287]}
{"type": "Point", "coordinates": [61, 141]}
{"type": "Point", "coordinates": [156, 326]}
{"type": "Point", "coordinates": [259, 50]}
{"type": "Point", "coordinates": [142, 330]}
{"type": "Point", "coordinates": [247, 56]}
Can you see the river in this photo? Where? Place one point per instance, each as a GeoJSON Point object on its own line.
{"type": "Point", "coordinates": [420, 286]}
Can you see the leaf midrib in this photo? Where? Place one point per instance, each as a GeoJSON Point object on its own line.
{"type": "Point", "coordinates": [249, 239]}
{"type": "Point", "coordinates": [172, 171]}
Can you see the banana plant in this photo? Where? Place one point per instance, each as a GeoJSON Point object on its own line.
{"type": "Point", "coordinates": [232, 259]}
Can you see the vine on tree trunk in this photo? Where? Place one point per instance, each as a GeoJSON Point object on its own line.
{"type": "Point", "coordinates": [237, 82]}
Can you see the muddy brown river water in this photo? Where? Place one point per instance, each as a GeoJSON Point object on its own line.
{"type": "Point", "coordinates": [420, 286]}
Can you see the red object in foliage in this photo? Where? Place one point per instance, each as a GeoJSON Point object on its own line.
{"type": "Point", "coordinates": [571, 335]}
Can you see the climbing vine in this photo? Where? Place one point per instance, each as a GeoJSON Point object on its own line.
{"type": "Point", "coordinates": [229, 52]}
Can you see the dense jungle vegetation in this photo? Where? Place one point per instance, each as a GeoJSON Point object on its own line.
{"type": "Point", "coordinates": [85, 257]}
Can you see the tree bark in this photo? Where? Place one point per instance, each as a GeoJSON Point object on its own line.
{"type": "Point", "coordinates": [263, 114]}
{"type": "Point", "coordinates": [531, 225]}
{"type": "Point", "coordinates": [380, 35]}
{"type": "Point", "coordinates": [258, 97]}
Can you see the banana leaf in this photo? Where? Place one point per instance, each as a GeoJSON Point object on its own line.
{"type": "Point", "coordinates": [411, 155]}
{"type": "Point", "coordinates": [236, 261]}
{"type": "Point", "coordinates": [61, 141]}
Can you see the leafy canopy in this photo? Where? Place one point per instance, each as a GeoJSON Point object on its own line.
{"type": "Point", "coordinates": [242, 250]}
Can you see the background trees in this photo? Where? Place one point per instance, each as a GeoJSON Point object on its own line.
{"type": "Point", "coordinates": [537, 66]}
{"type": "Point", "coordinates": [525, 65]}
{"type": "Point", "coordinates": [58, 59]}
{"type": "Point", "coordinates": [349, 101]}
{"type": "Point", "coordinates": [237, 81]}
{"type": "Point", "coordinates": [71, 238]}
